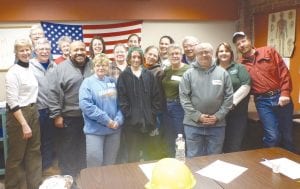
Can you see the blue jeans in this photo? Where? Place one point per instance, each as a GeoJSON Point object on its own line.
{"type": "Point", "coordinates": [201, 141]}
{"type": "Point", "coordinates": [102, 149]}
{"type": "Point", "coordinates": [173, 118]}
{"type": "Point", "coordinates": [47, 138]}
{"type": "Point", "coordinates": [159, 120]}
{"type": "Point", "coordinates": [277, 121]}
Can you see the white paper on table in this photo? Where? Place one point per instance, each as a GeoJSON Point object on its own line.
{"type": "Point", "coordinates": [147, 169]}
{"type": "Point", "coordinates": [287, 167]}
{"type": "Point", "coordinates": [222, 171]}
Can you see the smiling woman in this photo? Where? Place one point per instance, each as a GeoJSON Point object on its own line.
{"type": "Point", "coordinates": [152, 60]}
{"type": "Point", "coordinates": [174, 112]}
{"type": "Point", "coordinates": [101, 65]}
{"type": "Point", "coordinates": [97, 46]}
{"type": "Point", "coordinates": [236, 119]}
{"type": "Point", "coordinates": [139, 101]}
{"type": "Point", "coordinates": [22, 121]}
{"type": "Point", "coordinates": [102, 117]}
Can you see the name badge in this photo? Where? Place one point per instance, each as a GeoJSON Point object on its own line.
{"type": "Point", "coordinates": [217, 82]}
{"type": "Point", "coordinates": [111, 85]}
{"type": "Point", "coordinates": [233, 72]}
{"type": "Point", "coordinates": [176, 78]}
{"type": "Point", "coordinates": [108, 93]}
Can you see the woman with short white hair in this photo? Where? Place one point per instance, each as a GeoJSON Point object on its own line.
{"type": "Point", "coordinates": [64, 45]}
{"type": "Point", "coordinates": [102, 116]}
{"type": "Point", "coordinates": [23, 163]}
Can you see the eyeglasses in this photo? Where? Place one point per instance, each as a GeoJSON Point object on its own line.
{"type": "Point", "coordinates": [202, 53]}
{"type": "Point", "coordinates": [37, 34]}
{"type": "Point", "coordinates": [43, 49]}
{"type": "Point", "coordinates": [101, 65]}
{"type": "Point", "coordinates": [120, 52]}
{"type": "Point", "coordinates": [189, 46]}
{"type": "Point", "coordinates": [174, 53]}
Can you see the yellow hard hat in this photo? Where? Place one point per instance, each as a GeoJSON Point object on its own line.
{"type": "Point", "coordinates": [170, 173]}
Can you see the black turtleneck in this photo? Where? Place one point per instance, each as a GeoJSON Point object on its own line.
{"type": "Point", "coordinates": [23, 64]}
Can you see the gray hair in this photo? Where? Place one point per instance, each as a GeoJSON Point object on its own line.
{"type": "Point", "coordinates": [40, 42]}
{"type": "Point", "coordinates": [35, 27]}
{"type": "Point", "coordinates": [64, 39]}
{"type": "Point", "coordinates": [205, 45]}
{"type": "Point", "coordinates": [191, 39]}
{"type": "Point", "coordinates": [173, 47]}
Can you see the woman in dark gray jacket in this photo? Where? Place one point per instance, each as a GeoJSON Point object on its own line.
{"type": "Point", "coordinates": [139, 101]}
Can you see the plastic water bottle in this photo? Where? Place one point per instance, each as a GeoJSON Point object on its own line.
{"type": "Point", "coordinates": [180, 148]}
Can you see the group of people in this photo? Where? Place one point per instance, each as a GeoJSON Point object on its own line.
{"type": "Point", "coordinates": [87, 110]}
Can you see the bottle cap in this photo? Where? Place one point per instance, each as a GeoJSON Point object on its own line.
{"type": "Point", "coordinates": [179, 135]}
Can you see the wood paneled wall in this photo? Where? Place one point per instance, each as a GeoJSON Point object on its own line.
{"type": "Point", "coordinates": [89, 10]}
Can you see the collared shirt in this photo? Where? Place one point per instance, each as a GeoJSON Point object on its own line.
{"type": "Point", "coordinates": [187, 61]}
{"type": "Point", "coordinates": [268, 72]}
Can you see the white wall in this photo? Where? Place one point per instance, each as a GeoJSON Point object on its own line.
{"type": "Point", "coordinates": [2, 86]}
{"type": "Point", "coordinates": [212, 32]}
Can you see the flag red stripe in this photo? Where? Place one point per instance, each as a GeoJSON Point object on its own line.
{"type": "Point", "coordinates": [107, 51]}
{"type": "Point", "coordinates": [112, 34]}
{"type": "Point", "coordinates": [108, 26]}
{"type": "Point", "coordinates": [115, 42]}
{"type": "Point", "coordinates": [111, 42]}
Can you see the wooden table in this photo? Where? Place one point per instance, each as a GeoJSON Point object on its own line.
{"type": "Point", "coordinates": [126, 176]}
{"type": "Point", "coordinates": [257, 176]}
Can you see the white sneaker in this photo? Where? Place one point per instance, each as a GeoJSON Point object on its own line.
{"type": "Point", "coordinates": [155, 132]}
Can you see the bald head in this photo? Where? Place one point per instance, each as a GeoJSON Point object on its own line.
{"type": "Point", "coordinates": [75, 44]}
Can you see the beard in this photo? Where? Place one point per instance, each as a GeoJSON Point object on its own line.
{"type": "Point", "coordinates": [79, 60]}
{"type": "Point", "coordinates": [246, 49]}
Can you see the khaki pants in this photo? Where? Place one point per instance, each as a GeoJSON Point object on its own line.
{"type": "Point", "coordinates": [23, 166]}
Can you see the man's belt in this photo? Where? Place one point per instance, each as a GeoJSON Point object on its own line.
{"type": "Point", "coordinates": [269, 93]}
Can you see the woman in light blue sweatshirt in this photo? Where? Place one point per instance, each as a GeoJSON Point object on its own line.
{"type": "Point", "coordinates": [102, 116]}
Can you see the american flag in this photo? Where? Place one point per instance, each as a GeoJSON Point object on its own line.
{"type": "Point", "coordinates": [111, 33]}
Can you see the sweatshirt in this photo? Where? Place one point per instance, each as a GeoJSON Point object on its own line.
{"type": "Point", "coordinates": [139, 99]}
{"type": "Point", "coordinates": [64, 88]}
{"type": "Point", "coordinates": [43, 76]}
{"type": "Point", "coordinates": [98, 102]}
{"type": "Point", "coordinates": [205, 92]}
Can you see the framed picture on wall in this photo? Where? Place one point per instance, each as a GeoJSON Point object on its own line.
{"type": "Point", "coordinates": [8, 35]}
{"type": "Point", "coordinates": [281, 32]}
